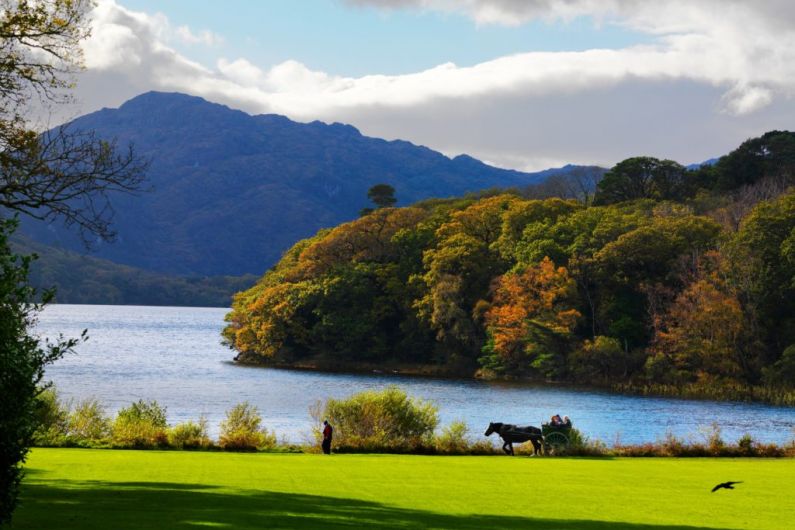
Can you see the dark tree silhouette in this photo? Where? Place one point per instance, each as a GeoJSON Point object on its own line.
{"type": "Point", "coordinates": [382, 195]}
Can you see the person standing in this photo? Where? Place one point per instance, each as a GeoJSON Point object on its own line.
{"type": "Point", "coordinates": [327, 431]}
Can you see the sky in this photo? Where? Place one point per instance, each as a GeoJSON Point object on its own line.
{"type": "Point", "coordinates": [523, 84]}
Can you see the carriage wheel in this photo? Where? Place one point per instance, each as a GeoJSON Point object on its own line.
{"type": "Point", "coordinates": [556, 442]}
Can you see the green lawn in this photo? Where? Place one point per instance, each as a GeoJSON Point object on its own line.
{"type": "Point", "coordinates": [120, 490]}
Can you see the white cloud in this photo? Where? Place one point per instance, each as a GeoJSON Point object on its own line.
{"type": "Point", "coordinates": [206, 37]}
{"type": "Point", "coordinates": [743, 100]}
{"type": "Point", "coordinates": [741, 53]}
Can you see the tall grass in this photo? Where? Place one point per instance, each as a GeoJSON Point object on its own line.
{"type": "Point", "coordinates": [726, 392]}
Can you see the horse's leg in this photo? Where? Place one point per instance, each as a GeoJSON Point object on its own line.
{"type": "Point", "coordinates": [536, 446]}
{"type": "Point", "coordinates": [511, 446]}
{"type": "Point", "coordinates": [505, 448]}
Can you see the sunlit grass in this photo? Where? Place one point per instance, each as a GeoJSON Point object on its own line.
{"type": "Point", "coordinates": [103, 489]}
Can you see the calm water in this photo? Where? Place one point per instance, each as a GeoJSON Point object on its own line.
{"type": "Point", "coordinates": [174, 355]}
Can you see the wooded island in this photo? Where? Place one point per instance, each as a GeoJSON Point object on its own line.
{"type": "Point", "coordinates": [665, 278]}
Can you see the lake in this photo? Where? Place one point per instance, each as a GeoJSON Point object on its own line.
{"type": "Point", "coordinates": [174, 355]}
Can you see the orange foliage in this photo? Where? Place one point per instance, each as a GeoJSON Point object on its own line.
{"type": "Point", "coordinates": [703, 331]}
{"type": "Point", "coordinates": [538, 295]}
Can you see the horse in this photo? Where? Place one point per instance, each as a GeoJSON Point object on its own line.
{"type": "Point", "coordinates": [512, 434]}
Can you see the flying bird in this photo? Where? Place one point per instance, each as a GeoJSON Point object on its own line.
{"type": "Point", "coordinates": [726, 485]}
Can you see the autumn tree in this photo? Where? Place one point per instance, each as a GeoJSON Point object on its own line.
{"type": "Point", "coordinates": [644, 256]}
{"type": "Point", "coordinates": [365, 239]}
{"type": "Point", "coordinates": [459, 270]}
{"type": "Point", "coordinates": [530, 321]}
{"type": "Point", "coordinates": [701, 338]}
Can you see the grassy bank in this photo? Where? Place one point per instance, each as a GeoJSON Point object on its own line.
{"type": "Point", "coordinates": [100, 489]}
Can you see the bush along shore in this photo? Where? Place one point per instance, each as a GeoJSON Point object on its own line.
{"type": "Point", "coordinates": [387, 421]}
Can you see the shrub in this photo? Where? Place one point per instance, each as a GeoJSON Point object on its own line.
{"type": "Point", "coordinates": [373, 421]}
{"type": "Point", "coordinates": [88, 424]}
{"type": "Point", "coordinates": [746, 445]}
{"type": "Point", "coordinates": [453, 439]}
{"type": "Point", "coordinates": [673, 446]}
{"type": "Point", "coordinates": [189, 435]}
{"type": "Point", "coordinates": [484, 447]}
{"type": "Point", "coordinates": [51, 418]}
{"type": "Point", "coordinates": [581, 445]}
{"type": "Point", "coordinates": [241, 430]}
{"type": "Point", "coordinates": [142, 424]}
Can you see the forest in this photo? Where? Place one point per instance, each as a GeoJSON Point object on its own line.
{"type": "Point", "coordinates": [659, 277]}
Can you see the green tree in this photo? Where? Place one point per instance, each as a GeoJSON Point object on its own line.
{"type": "Point", "coordinates": [60, 173]}
{"type": "Point", "coordinates": [762, 268]}
{"type": "Point", "coordinates": [771, 155]}
{"type": "Point", "coordinates": [22, 360]}
{"type": "Point", "coordinates": [782, 372]}
{"type": "Point", "coordinates": [382, 195]}
{"type": "Point", "coordinates": [600, 359]}
{"type": "Point", "coordinates": [642, 177]}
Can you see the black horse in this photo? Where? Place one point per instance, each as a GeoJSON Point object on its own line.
{"type": "Point", "coordinates": [512, 434]}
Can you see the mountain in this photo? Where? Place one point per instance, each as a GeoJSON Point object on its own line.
{"type": "Point", "coordinates": [231, 191]}
{"type": "Point", "coordinates": [710, 162]}
{"type": "Point", "coordinates": [83, 279]}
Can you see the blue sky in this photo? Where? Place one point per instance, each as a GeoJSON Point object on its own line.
{"type": "Point", "coordinates": [525, 84]}
{"type": "Point", "coordinates": [354, 41]}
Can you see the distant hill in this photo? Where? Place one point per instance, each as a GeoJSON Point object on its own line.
{"type": "Point", "coordinates": [232, 191]}
{"type": "Point", "coordinates": [87, 280]}
{"type": "Point", "coordinates": [710, 162]}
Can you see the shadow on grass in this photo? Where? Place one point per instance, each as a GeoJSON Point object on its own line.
{"type": "Point", "coordinates": [98, 505]}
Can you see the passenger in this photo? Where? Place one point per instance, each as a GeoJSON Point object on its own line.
{"type": "Point", "coordinates": [556, 420]}
{"type": "Point", "coordinates": [566, 421]}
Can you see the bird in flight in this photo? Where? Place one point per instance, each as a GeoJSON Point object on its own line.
{"type": "Point", "coordinates": [726, 485]}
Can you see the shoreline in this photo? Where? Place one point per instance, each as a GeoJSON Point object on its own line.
{"type": "Point", "coordinates": [741, 394]}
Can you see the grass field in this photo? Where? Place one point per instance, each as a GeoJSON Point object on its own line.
{"type": "Point", "coordinates": [120, 490]}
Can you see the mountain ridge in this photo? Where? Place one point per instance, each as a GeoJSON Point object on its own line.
{"type": "Point", "coordinates": [233, 191]}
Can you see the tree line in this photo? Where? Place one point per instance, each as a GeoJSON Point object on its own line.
{"type": "Point", "coordinates": [666, 276]}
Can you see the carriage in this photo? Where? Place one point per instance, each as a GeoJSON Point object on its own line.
{"type": "Point", "coordinates": [556, 436]}
{"type": "Point", "coordinates": [553, 437]}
